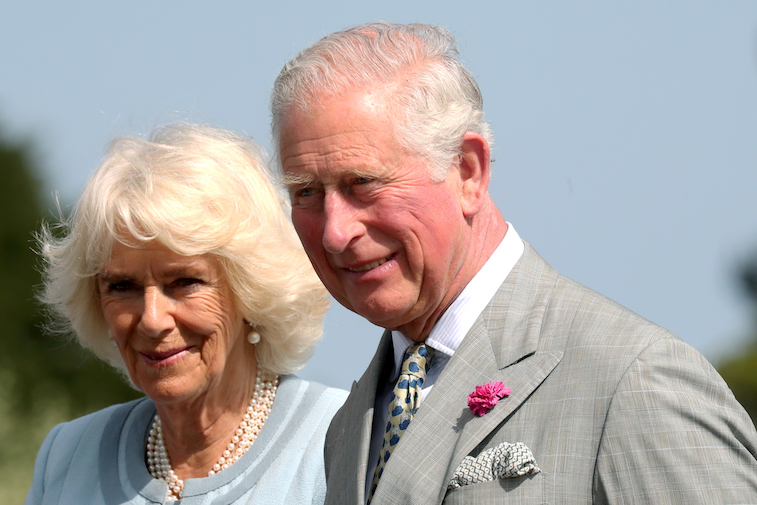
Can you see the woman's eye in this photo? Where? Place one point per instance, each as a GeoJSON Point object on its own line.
{"type": "Point", "coordinates": [187, 281]}
{"type": "Point", "coordinates": [120, 286]}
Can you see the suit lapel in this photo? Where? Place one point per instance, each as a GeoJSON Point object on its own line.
{"type": "Point", "coordinates": [501, 346]}
{"type": "Point", "coordinates": [349, 435]}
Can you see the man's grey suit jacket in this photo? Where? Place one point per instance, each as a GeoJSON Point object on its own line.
{"type": "Point", "coordinates": [614, 408]}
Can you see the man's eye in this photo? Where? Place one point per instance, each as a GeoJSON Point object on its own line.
{"type": "Point", "coordinates": [362, 180]}
{"type": "Point", "coordinates": [296, 193]}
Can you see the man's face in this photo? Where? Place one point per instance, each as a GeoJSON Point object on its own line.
{"type": "Point", "coordinates": [387, 241]}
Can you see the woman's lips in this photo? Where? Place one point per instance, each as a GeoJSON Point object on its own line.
{"type": "Point", "coordinates": [164, 358]}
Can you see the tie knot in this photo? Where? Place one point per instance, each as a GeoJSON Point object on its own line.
{"type": "Point", "coordinates": [417, 361]}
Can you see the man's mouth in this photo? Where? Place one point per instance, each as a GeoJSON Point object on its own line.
{"type": "Point", "coordinates": [371, 266]}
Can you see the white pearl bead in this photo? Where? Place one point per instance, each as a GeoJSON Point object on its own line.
{"type": "Point", "coordinates": [159, 463]}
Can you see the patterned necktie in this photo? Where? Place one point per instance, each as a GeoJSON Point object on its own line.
{"type": "Point", "coordinates": [404, 404]}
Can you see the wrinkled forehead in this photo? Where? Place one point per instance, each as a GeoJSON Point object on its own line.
{"type": "Point", "coordinates": [356, 117]}
{"type": "Point", "coordinates": [343, 104]}
{"type": "Point", "coordinates": [127, 252]}
{"type": "Point", "coordinates": [340, 143]}
{"type": "Point", "coordinates": [136, 236]}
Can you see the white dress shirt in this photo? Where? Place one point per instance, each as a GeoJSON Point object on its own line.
{"type": "Point", "coordinates": [446, 335]}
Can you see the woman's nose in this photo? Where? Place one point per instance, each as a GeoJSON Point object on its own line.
{"type": "Point", "coordinates": [156, 319]}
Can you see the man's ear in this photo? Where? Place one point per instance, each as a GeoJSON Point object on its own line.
{"type": "Point", "coordinates": [475, 170]}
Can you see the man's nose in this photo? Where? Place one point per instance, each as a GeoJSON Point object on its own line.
{"type": "Point", "coordinates": [157, 319]}
{"type": "Point", "coordinates": [342, 222]}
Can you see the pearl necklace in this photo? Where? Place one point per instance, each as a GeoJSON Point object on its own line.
{"type": "Point", "coordinates": [159, 463]}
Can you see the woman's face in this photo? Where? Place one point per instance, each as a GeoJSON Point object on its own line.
{"type": "Point", "coordinates": [174, 321]}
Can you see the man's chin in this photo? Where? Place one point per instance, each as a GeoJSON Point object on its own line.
{"type": "Point", "coordinates": [390, 318]}
{"type": "Point", "coordinates": [380, 315]}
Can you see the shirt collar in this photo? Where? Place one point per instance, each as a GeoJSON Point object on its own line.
{"type": "Point", "coordinates": [450, 330]}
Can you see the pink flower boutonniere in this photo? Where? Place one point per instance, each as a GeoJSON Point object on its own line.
{"type": "Point", "coordinates": [486, 396]}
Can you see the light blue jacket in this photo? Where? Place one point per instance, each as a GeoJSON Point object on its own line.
{"type": "Point", "coordinates": [99, 459]}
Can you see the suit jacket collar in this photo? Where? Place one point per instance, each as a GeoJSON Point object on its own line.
{"type": "Point", "coordinates": [351, 428]}
{"type": "Point", "coordinates": [501, 346]}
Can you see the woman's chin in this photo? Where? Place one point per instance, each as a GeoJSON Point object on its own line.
{"type": "Point", "coordinates": [167, 388]}
{"type": "Point", "coordinates": [166, 394]}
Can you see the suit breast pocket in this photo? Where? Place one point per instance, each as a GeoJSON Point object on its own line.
{"type": "Point", "coordinates": [528, 489]}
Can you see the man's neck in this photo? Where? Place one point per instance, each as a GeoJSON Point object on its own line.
{"type": "Point", "coordinates": [488, 230]}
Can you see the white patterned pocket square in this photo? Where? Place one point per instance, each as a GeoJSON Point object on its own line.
{"type": "Point", "coordinates": [504, 461]}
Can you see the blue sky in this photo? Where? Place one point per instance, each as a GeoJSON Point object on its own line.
{"type": "Point", "coordinates": [625, 132]}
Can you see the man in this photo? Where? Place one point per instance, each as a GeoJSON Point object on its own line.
{"type": "Point", "coordinates": [385, 154]}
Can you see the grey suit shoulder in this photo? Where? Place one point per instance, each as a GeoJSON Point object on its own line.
{"type": "Point", "coordinates": [614, 408]}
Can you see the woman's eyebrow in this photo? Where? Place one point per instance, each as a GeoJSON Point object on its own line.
{"type": "Point", "coordinates": [107, 276]}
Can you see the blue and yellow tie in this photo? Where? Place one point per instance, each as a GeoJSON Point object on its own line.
{"type": "Point", "coordinates": [404, 404]}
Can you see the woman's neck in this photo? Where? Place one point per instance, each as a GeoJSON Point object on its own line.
{"type": "Point", "coordinates": [195, 463]}
{"type": "Point", "coordinates": [196, 434]}
{"type": "Point", "coordinates": [197, 430]}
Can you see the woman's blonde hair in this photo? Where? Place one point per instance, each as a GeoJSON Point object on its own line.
{"type": "Point", "coordinates": [196, 190]}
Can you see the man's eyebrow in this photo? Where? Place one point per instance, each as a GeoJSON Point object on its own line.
{"type": "Point", "coordinates": [294, 179]}
{"type": "Point", "coordinates": [290, 180]}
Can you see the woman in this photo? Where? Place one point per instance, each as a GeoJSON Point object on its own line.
{"type": "Point", "coordinates": [180, 267]}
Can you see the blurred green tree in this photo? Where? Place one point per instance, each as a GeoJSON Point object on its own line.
{"type": "Point", "coordinates": [740, 371]}
{"type": "Point", "coordinates": [44, 380]}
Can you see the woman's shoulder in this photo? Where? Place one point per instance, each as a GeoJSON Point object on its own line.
{"type": "Point", "coordinates": [309, 400]}
{"type": "Point", "coordinates": [78, 440]}
{"type": "Point", "coordinates": [96, 420]}
{"type": "Point", "coordinates": [314, 390]}
{"type": "Point", "coordinates": [66, 438]}
{"type": "Point", "coordinates": [336, 394]}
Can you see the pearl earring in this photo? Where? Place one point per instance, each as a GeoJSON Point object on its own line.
{"type": "Point", "coordinates": [253, 337]}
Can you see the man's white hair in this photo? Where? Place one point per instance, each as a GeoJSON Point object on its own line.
{"type": "Point", "coordinates": [433, 98]}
